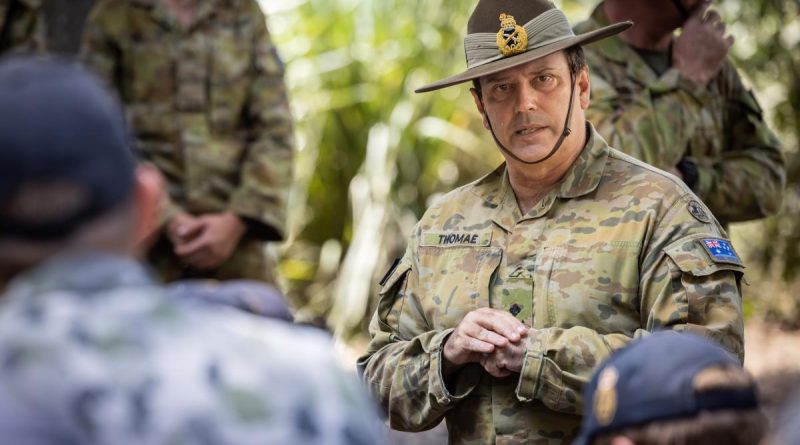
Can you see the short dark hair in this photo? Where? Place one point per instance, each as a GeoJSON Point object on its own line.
{"type": "Point", "coordinates": [728, 427]}
{"type": "Point", "coordinates": [576, 61]}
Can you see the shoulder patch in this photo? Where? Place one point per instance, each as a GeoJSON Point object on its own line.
{"type": "Point", "coordinates": [696, 210]}
{"type": "Point", "coordinates": [720, 250]}
{"type": "Point", "coordinates": [456, 239]}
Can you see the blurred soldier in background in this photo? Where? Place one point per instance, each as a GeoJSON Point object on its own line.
{"type": "Point", "coordinates": [21, 26]}
{"type": "Point", "coordinates": [668, 389]}
{"type": "Point", "coordinates": [94, 351]}
{"type": "Point", "coordinates": [678, 103]}
{"type": "Point", "coordinates": [203, 86]}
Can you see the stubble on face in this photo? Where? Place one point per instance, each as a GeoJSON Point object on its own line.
{"type": "Point", "coordinates": [527, 105]}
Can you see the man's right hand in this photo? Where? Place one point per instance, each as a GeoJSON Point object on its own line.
{"type": "Point", "coordinates": [182, 228]}
{"type": "Point", "coordinates": [477, 335]}
{"type": "Point", "coordinates": [700, 51]}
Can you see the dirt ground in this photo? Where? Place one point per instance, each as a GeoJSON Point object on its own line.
{"type": "Point", "coordinates": [772, 355]}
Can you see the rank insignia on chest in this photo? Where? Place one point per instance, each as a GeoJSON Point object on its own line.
{"type": "Point", "coordinates": [512, 38]}
{"type": "Point", "coordinates": [720, 250]}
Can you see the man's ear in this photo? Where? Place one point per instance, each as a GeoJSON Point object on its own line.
{"type": "Point", "coordinates": [479, 105]}
{"type": "Point", "coordinates": [584, 87]}
{"type": "Point", "coordinates": [149, 197]}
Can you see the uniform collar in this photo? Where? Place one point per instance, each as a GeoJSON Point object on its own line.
{"type": "Point", "coordinates": [581, 179]}
{"type": "Point", "coordinates": [614, 50]}
{"type": "Point", "coordinates": [164, 15]}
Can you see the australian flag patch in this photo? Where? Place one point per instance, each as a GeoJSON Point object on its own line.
{"type": "Point", "coordinates": [721, 250]}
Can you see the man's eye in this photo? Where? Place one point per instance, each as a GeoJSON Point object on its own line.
{"type": "Point", "coordinates": [501, 87]}
{"type": "Point", "coordinates": [544, 78]}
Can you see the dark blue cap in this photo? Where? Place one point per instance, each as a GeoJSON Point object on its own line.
{"type": "Point", "coordinates": [59, 126]}
{"type": "Point", "coordinates": [653, 380]}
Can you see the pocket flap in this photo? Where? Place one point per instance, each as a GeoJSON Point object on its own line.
{"type": "Point", "coordinates": [395, 273]}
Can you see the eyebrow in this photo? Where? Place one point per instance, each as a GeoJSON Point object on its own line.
{"type": "Point", "coordinates": [500, 76]}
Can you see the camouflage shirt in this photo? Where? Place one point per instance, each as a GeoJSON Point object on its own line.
{"type": "Point", "coordinates": [613, 252]}
{"type": "Point", "coordinates": [207, 103]}
{"type": "Point", "coordinates": [94, 352]}
{"type": "Point", "coordinates": [21, 26]}
{"type": "Point", "coordinates": [719, 128]}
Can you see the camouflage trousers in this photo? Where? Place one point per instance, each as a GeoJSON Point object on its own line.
{"type": "Point", "coordinates": [249, 261]}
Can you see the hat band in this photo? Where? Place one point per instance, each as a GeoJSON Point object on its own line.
{"type": "Point", "coordinates": [549, 27]}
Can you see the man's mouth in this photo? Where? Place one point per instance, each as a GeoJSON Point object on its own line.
{"type": "Point", "coordinates": [527, 130]}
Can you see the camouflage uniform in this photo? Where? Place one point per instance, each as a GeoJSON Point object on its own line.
{"type": "Point", "coordinates": [21, 26]}
{"type": "Point", "coordinates": [612, 253]}
{"type": "Point", "coordinates": [719, 128]}
{"type": "Point", "coordinates": [209, 108]}
{"type": "Point", "coordinates": [94, 352]}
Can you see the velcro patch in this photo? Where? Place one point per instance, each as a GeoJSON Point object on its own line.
{"type": "Point", "coordinates": [456, 238]}
{"type": "Point", "coordinates": [720, 250]}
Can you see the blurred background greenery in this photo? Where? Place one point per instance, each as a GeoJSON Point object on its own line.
{"type": "Point", "coordinates": [372, 154]}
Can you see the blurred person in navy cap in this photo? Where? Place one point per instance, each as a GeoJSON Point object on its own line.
{"type": "Point", "coordinates": [671, 389]}
{"type": "Point", "coordinates": [68, 177]}
{"type": "Point", "coordinates": [93, 349]}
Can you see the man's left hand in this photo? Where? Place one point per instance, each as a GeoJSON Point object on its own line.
{"type": "Point", "coordinates": [508, 358]}
{"type": "Point", "coordinates": [217, 236]}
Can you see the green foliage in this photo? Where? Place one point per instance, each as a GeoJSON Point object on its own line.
{"type": "Point", "coordinates": [352, 69]}
{"type": "Point", "coordinates": [373, 154]}
{"type": "Point", "coordinates": [767, 50]}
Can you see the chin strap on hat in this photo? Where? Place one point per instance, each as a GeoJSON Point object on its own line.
{"type": "Point", "coordinates": [567, 131]}
{"type": "Point", "coordinates": [681, 9]}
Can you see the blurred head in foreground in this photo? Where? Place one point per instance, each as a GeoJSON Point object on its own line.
{"type": "Point", "coordinates": [93, 349]}
{"type": "Point", "coordinates": [68, 178]}
{"type": "Point", "coordinates": [671, 388]}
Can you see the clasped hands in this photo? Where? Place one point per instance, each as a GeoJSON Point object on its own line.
{"type": "Point", "coordinates": [493, 338]}
{"type": "Point", "coordinates": [205, 241]}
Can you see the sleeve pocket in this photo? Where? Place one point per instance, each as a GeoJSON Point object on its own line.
{"type": "Point", "coordinates": [392, 292]}
{"type": "Point", "coordinates": [690, 258]}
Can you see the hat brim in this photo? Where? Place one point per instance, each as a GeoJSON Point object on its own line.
{"type": "Point", "coordinates": [527, 56]}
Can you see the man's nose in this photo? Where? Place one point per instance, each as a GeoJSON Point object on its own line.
{"type": "Point", "coordinates": [527, 98]}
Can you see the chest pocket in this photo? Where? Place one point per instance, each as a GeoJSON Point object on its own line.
{"type": "Point", "coordinates": [514, 293]}
{"type": "Point", "coordinates": [148, 89]}
{"type": "Point", "coordinates": [231, 62]}
{"type": "Point", "coordinates": [594, 285]}
{"type": "Point", "coordinates": [707, 137]}
{"type": "Point", "coordinates": [149, 72]}
{"type": "Point", "coordinates": [455, 280]}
